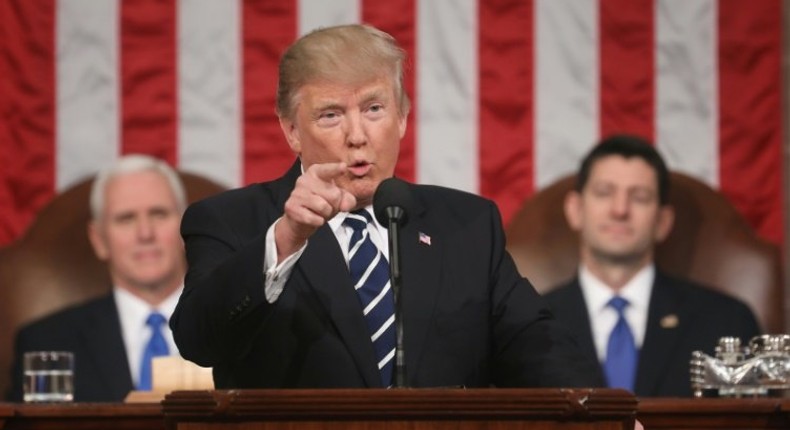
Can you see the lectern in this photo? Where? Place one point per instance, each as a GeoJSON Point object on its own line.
{"type": "Point", "coordinates": [413, 409]}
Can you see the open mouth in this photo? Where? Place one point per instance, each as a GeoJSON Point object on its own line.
{"type": "Point", "coordinates": [360, 168]}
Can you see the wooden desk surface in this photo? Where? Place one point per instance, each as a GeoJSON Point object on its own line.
{"type": "Point", "coordinates": [401, 409]}
{"type": "Point", "coordinates": [733, 414]}
{"type": "Point", "coordinates": [81, 416]}
{"type": "Point", "coordinates": [654, 414]}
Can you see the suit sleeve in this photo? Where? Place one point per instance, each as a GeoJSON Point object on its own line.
{"type": "Point", "coordinates": [223, 297]}
{"type": "Point", "coordinates": [531, 348]}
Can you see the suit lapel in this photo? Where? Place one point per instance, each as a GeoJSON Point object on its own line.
{"type": "Point", "coordinates": [103, 340]}
{"type": "Point", "coordinates": [661, 336]}
{"type": "Point", "coordinates": [326, 271]}
{"type": "Point", "coordinates": [579, 318]}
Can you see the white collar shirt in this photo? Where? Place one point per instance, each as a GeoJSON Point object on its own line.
{"type": "Point", "coordinates": [378, 234]}
{"type": "Point", "coordinates": [603, 318]}
{"type": "Point", "coordinates": [133, 312]}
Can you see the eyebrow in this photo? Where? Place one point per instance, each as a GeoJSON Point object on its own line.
{"type": "Point", "coordinates": [329, 105]}
{"type": "Point", "coordinates": [376, 94]}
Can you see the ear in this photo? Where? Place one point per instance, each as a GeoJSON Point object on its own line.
{"type": "Point", "coordinates": [97, 241]}
{"type": "Point", "coordinates": [291, 134]}
{"type": "Point", "coordinates": [664, 223]}
{"type": "Point", "coordinates": [402, 121]}
{"type": "Point", "coordinates": [573, 210]}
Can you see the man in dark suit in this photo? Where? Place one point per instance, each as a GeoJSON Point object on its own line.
{"type": "Point", "coordinates": [620, 209]}
{"type": "Point", "coordinates": [269, 299]}
{"type": "Point", "coordinates": [136, 208]}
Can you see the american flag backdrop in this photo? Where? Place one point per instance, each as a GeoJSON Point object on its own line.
{"type": "Point", "coordinates": [507, 94]}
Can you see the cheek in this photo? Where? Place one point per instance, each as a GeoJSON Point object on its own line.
{"type": "Point", "coordinates": [120, 242]}
{"type": "Point", "coordinates": [322, 147]}
{"type": "Point", "coordinates": [171, 237]}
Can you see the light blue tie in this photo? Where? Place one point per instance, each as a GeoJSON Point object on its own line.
{"type": "Point", "coordinates": [621, 352]}
{"type": "Point", "coordinates": [156, 347]}
{"type": "Point", "coordinates": [369, 271]}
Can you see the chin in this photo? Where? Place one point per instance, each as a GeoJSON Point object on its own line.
{"type": "Point", "coordinates": [363, 189]}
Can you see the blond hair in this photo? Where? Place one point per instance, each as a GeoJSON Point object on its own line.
{"type": "Point", "coordinates": [347, 54]}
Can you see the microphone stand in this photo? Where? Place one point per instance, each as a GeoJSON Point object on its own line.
{"type": "Point", "coordinates": [394, 214]}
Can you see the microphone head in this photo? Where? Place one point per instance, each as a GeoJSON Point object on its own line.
{"type": "Point", "coordinates": [392, 200]}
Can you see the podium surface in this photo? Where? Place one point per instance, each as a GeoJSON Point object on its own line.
{"type": "Point", "coordinates": [414, 409]}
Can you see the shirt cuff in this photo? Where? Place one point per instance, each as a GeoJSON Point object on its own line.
{"type": "Point", "coordinates": [276, 275]}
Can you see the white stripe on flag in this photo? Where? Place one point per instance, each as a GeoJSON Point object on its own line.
{"type": "Point", "coordinates": [209, 90]}
{"type": "Point", "coordinates": [566, 85]}
{"type": "Point", "coordinates": [447, 94]}
{"type": "Point", "coordinates": [687, 87]}
{"type": "Point", "coordinates": [321, 13]}
{"type": "Point", "coordinates": [88, 129]}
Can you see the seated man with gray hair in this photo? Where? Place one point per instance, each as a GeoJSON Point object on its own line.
{"type": "Point", "coordinates": [136, 207]}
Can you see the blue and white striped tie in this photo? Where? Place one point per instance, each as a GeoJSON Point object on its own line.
{"type": "Point", "coordinates": [371, 276]}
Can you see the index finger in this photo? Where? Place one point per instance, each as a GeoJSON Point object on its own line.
{"type": "Point", "coordinates": [328, 171]}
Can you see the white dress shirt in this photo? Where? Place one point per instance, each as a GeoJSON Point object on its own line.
{"type": "Point", "coordinates": [133, 312]}
{"type": "Point", "coordinates": [603, 318]}
{"type": "Point", "coordinates": [277, 274]}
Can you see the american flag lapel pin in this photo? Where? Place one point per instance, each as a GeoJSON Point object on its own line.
{"type": "Point", "coordinates": [424, 239]}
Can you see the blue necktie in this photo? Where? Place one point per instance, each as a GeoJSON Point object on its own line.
{"type": "Point", "coordinates": [621, 353]}
{"type": "Point", "coordinates": [156, 347]}
{"type": "Point", "coordinates": [371, 276]}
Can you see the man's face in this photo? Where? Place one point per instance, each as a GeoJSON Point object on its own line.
{"type": "Point", "coordinates": [359, 125]}
{"type": "Point", "coordinates": [138, 235]}
{"type": "Point", "coordinates": [618, 213]}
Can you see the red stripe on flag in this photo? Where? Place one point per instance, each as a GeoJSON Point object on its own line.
{"type": "Point", "coordinates": [149, 99]}
{"type": "Point", "coordinates": [627, 66]}
{"type": "Point", "coordinates": [27, 110]}
{"type": "Point", "coordinates": [269, 27]}
{"type": "Point", "coordinates": [401, 26]}
{"type": "Point", "coordinates": [750, 111]}
{"type": "Point", "coordinates": [506, 141]}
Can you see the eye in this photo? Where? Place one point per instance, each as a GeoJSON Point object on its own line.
{"type": "Point", "coordinates": [375, 110]}
{"type": "Point", "coordinates": [160, 213]}
{"type": "Point", "coordinates": [124, 218]}
{"type": "Point", "coordinates": [643, 196]}
{"type": "Point", "coordinates": [601, 191]}
{"type": "Point", "coordinates": [328, 118]}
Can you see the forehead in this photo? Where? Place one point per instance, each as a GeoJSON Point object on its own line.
{"type": "Point", "coordinates": [137, 191]}
{"type": "Point", "coordinates": [627, 172]}
{"type": "Point", "coordinates": [320, 92]}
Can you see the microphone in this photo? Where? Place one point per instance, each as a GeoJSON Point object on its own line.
{"type": "Point", "coordinates": [391, 205]}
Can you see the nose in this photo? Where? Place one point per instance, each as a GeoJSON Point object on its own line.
{"type": "Point", "coordinates": [620, 205]}
{"type": "Point", "coordinates": [145, 229]}
{"type": "Point", "coordinates": [355, 130]}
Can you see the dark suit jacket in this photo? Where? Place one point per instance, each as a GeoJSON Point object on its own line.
{"type": "Point", "coordinates": [92, 331]}
{"type": "Point", "coordinates": [469, 318]}
{"type": "Point", "coordinates": [703, 316]}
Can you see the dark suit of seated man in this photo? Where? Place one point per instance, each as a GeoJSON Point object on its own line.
{"type": "Point", "coordinates": [136, 208]}
{"type": "Point", "coordinates": [273, 296]}
{"type": "Point", "coordinates": [620, 209]}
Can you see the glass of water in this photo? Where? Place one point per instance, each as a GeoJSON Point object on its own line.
{"type": "Point", "coordinates": [48, 376]}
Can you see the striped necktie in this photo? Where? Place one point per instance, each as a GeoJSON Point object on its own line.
{"type": "Point", "coordinates": [621, 353]}
{"type": "Point", "coordinates": [156, 347]}
{"type": "Point", "coordinates": [371, 276]}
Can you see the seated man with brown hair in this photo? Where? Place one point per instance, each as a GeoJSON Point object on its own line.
{"type": "Point", "coordinates": [641, 324]}
{"type": "Point", "coordinates": [136, 208]}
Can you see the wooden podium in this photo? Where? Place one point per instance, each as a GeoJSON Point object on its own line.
{"type": "Point", "coordinates": [413, 409]}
